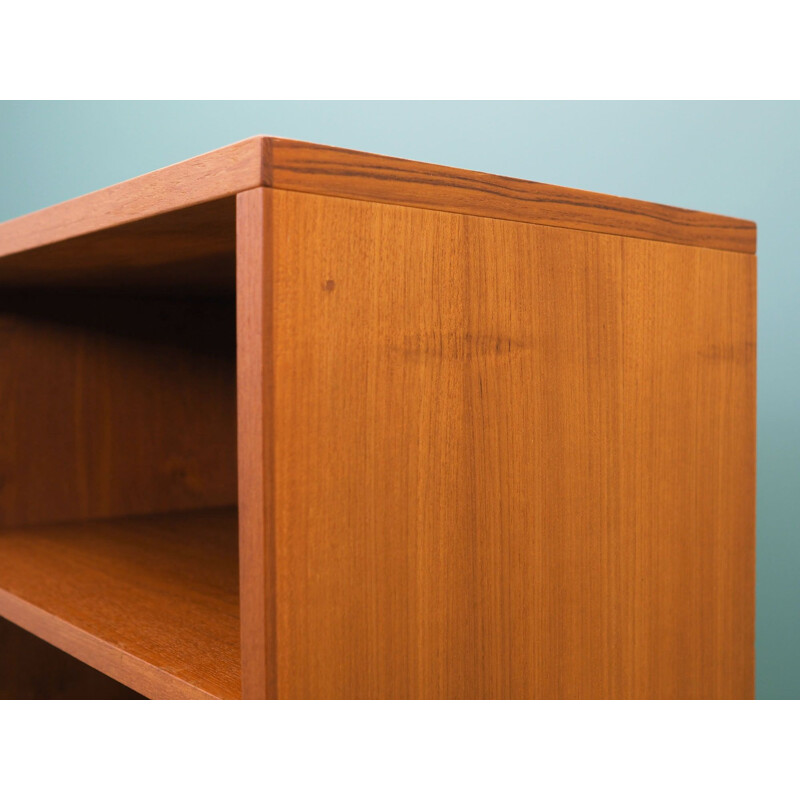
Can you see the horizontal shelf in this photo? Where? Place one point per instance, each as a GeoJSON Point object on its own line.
{"type": "Point", "coordinates": [151, 601]}
{"type": "Point", "coordinates": [288, 165]}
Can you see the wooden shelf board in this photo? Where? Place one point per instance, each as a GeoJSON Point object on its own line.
{"type": "Point", "coordinates": [318, 169]}
{"type": "Point", "coordinates": [220, 173]}
{"type": "Point", "coordinates": [150, 601]}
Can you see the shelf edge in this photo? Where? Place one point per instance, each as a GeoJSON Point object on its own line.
{"type": "Point", "coordinates": [128, 669]}
{"type": "Point", "coordinates": [321, 169]}
{"type": "Point", "coordinates": [338, 172]}
{"type": "Point", "coordinates": [220, 173]}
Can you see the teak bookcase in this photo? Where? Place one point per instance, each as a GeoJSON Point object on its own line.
{"type": "Point", "coordinates": [290, 421]}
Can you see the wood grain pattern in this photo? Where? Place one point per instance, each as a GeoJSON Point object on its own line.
{"type": "Point", "coordinates": [509, 460]}
{"type": "Point", "coordinates": [256, 444]}
{"type": "Point", "coordinates": [191, 251]}
{"type": "Point", "coordinates": [220, 173]}
{"type": "Point", "coordinates": [299, 166]}
{"type": "Point", "coordinates": [150, 601]}
{"type": "Point", "coordinates": [495, 438]}
{"type": "Point", "coordinates": [334, 171]}
{"type": "Point", "coordinates": [114, 405]}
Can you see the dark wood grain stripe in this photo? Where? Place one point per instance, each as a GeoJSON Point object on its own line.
{"type": "Point", "coordinates": [300, 166]}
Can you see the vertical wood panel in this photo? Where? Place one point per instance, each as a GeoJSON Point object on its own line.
{"type": "Point", "coordinates": [688, 486]}
{"type": "Point", "coordinates": [113, 405]}
{"type": "Point", "coordinates": [255, 443]}
{"type": "Point", "coordinates": [510, 460]}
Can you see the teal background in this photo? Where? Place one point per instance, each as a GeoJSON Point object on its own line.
{"type": "Point", "coordinates": [735, 158]}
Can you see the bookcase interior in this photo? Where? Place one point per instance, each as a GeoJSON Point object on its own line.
{"type": "Point", "coordinates": [118, 486]}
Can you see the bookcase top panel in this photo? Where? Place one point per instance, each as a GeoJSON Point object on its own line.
{"type": "Point", "coordinates": [304, 167]}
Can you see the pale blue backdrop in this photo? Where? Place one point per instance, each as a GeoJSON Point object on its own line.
{"type": "Point", "coordinates": [741, 159]}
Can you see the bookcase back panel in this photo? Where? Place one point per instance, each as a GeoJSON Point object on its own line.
{"type": "Point", "coordinates": [114, 404]}
{"type": "Point", "coordinates": [510, 460]}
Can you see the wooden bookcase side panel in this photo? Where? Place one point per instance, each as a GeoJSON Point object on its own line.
{"type": "Point", "coordinates": [257, 561]}
{"type": "Point", "coordinates": [509, 460]}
